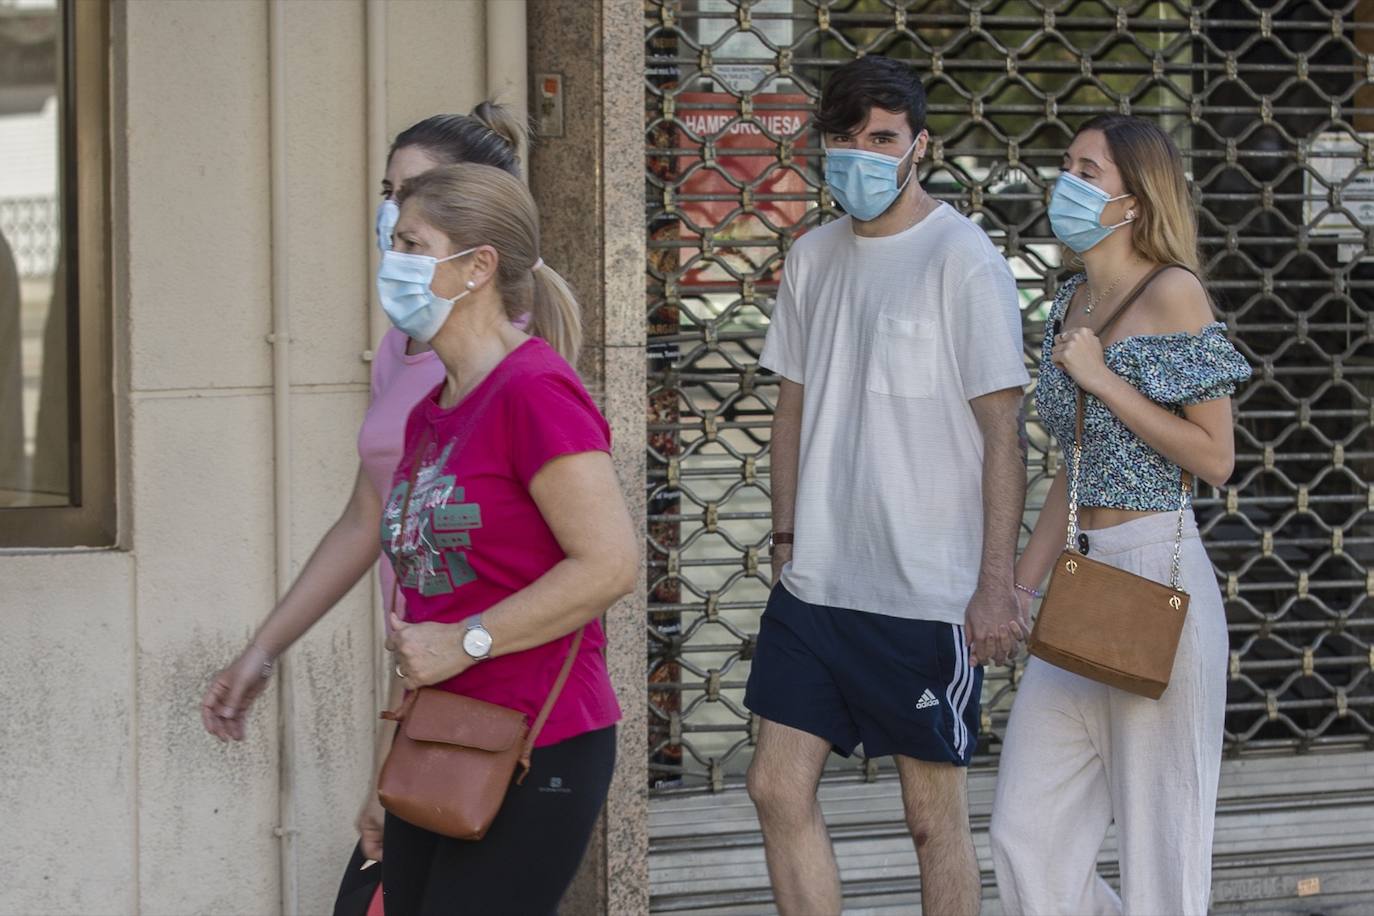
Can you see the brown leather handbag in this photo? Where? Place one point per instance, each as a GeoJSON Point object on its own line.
{"type": "Point", "coordinates": [1104, 623]}
{"type": "Point", "coordinates": [453, 757]}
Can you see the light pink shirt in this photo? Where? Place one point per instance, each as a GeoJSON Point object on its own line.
{"type": "Point", "coordinates": [399, 382]}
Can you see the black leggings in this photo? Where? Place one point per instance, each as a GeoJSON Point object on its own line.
{"type": "Point", "coordinates": [529, 855]}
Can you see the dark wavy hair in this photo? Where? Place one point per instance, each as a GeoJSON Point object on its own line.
{"type": "Point", "coordinates": [871, 82]}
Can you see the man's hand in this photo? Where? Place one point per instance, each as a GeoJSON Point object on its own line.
{"type": "Point", "coordinates": [780, 556]}
{"type": "Point", "coordinates": [994, 625]}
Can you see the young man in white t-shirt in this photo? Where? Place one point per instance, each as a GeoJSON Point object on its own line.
{"type": "Point", "coordinates": [898, 481]}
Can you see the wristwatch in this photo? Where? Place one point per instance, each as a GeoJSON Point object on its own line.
{"type": "Point", "coordinates": [779, 537]}
{"type": "Point", "coordinates": [477, 639]}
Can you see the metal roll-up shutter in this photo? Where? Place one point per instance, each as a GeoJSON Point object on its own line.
{"type": "Point", "coordinates": [1273, 107]}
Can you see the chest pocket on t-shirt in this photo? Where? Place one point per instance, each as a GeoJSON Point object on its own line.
{"type": "Point", "coordinates": [902, 360]}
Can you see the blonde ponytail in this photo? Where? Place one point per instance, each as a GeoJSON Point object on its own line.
{"type": "Point", "coordinates": [554, 313]}
{"type": "Point", "coordinates": [477, 205]}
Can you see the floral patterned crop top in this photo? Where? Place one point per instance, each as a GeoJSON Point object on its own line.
{"type": "Point", "coordinates": [1119, 470]}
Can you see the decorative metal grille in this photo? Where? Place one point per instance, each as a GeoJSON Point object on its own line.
{"type": "Point", "coordinates": [30, 226]}
{"type": "Point", "coordinates": [1271, 104]}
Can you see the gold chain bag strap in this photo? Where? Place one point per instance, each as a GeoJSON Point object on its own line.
{"type": "Point", "coordinates": [1104, 623]}
{"type": "Point", "coordinates": [453, 757]}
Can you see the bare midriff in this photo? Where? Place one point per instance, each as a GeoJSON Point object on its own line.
{"type": "Point", "coordinates": [1092, 518]}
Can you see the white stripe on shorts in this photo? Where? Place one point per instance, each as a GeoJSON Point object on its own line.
{"type": "Point", "coordinates": [957, 693]}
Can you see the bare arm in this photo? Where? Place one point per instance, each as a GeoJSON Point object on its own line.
{"type": "Point", "coordinates": [1047, 539]}
{"type": "Point", "coordinates": [580, 499]}
{"type": "Point", "coordinates": [371, 817]}
{"type": "Point", "coordinates": [1203, 439]}
{"type": "Point", "coordinates": [343, 556]}
{"type": "Point", "coordinates": [784, 449]}
{"type": "Point", "coordinates": [993, 612]}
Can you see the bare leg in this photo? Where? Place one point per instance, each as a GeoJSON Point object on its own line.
{"type": "Point", "coordinates": [782, 784]}
{"type": "Point", "coordinates": [935, 796]}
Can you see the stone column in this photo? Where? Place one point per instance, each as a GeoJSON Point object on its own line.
{"type": "Point", "coordinates": [589, 184]}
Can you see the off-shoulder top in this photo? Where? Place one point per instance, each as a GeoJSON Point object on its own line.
{"type": "Point", "coordinates": [1119, 470]}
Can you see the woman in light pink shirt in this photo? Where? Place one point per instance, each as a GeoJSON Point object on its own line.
{"type": "Point", "coordinates": [403, 372]}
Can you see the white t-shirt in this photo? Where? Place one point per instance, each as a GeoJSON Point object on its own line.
{"type": "Point", "coordinates": [892, 337]}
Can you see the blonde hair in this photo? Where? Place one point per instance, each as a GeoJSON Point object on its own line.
{"type": "Point", "coordinates": [1165, 227]}
{"type": "Point", "coordinates": [478, 205]}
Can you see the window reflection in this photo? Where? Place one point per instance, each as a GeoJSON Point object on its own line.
{"type": "Point", "coordinates": [35, 440]}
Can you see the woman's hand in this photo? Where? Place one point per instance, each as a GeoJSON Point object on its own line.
{"type": "Point", "coordinates": [427, 653]}
{"type": "Point", "coordinates": [371, 817]}
{"type": "Point", "coordinates": [1079, 353]}
{"type": "Point", "coordinates": [1023, 604]}
{"type": "Point", "coordinates": [230, 695]}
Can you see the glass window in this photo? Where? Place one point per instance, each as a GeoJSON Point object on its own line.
{"type": "Point", "coordinates": [55, 384]}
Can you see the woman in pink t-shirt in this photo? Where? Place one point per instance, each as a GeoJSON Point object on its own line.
{"type": "Point", "coordinates": [508, 532]}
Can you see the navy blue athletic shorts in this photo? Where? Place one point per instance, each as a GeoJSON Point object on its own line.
{"type": "Point", "coordinates": [895, 685]}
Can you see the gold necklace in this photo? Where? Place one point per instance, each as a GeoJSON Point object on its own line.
{"type": "Point", "coordinates": [1095, 300]}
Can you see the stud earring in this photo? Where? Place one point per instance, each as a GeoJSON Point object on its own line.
{"type": "Point", "coordinates": [472, 284]}
{"type": "Point", "coordinates": [1130, 214]}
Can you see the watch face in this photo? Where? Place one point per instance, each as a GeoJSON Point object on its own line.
{"type": "Point", "coordinates": [477, 642]}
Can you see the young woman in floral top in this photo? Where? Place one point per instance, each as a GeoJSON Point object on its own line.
{"type": "Point", "coordinates": [1080, 755]}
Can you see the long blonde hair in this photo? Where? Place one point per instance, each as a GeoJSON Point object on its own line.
{"type": "Point", "coordinates": [479, 205]}
{"type": "Point", "coordinates": [1165, 228]}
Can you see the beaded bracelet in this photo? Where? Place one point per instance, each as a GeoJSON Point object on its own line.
{"type": "Point", "coordinates": [1033, 592]}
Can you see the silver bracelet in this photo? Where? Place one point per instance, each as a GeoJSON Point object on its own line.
{"type": "Point", "coordinates": [266, 671]}
{"type": "Point", "coordinates": [1033, 592]}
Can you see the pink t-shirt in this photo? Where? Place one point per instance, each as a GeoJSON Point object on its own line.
{"type": "Point", "coordinates": [399, 382]}
{"type": "Point", "coordinates": [473, 535]}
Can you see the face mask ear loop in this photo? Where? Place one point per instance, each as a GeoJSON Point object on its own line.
{"type": "Point", "coordinates": [911, 171]}
{"type": "Point", "coordinates": [438, 261]}
{"type": "Point", "coordinates": [458, 255]}
{"type": "Point", "coordinates": [1124, 222]}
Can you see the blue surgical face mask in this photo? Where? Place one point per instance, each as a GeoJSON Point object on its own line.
{"type": "Point", "coordinates": [865, 183]}
{"type": "Point", "coordinates": [387, 214]}
{"type": "Point", "coordinates": [1076, 212]}
{"type": "Point", "coordinates": [403, 284]}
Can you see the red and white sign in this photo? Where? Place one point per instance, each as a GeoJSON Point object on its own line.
{"type": "Point", "coordinates": [705, 114]}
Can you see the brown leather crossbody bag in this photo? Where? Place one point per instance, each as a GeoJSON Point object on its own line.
{"type": "Point", "coordinates": [453, 757]}
{"type": "Point", "coordinates": [1104, 623]}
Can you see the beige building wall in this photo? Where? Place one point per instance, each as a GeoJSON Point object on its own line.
{"type": "Point", "coordinates": [118, 800]}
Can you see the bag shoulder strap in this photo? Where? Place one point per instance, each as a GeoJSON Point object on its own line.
{"type": "Point", "coordinates": [554, 691]}
{"type": "Point", "coordinates": [1131, 298]}
{"type": "Point", "coordinates": [1134, 295]}
{"type": "Point", "coordinates": [1185, 476]}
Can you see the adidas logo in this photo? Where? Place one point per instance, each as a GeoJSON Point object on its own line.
{"type": "Point", "coordinates": [927, 700]}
